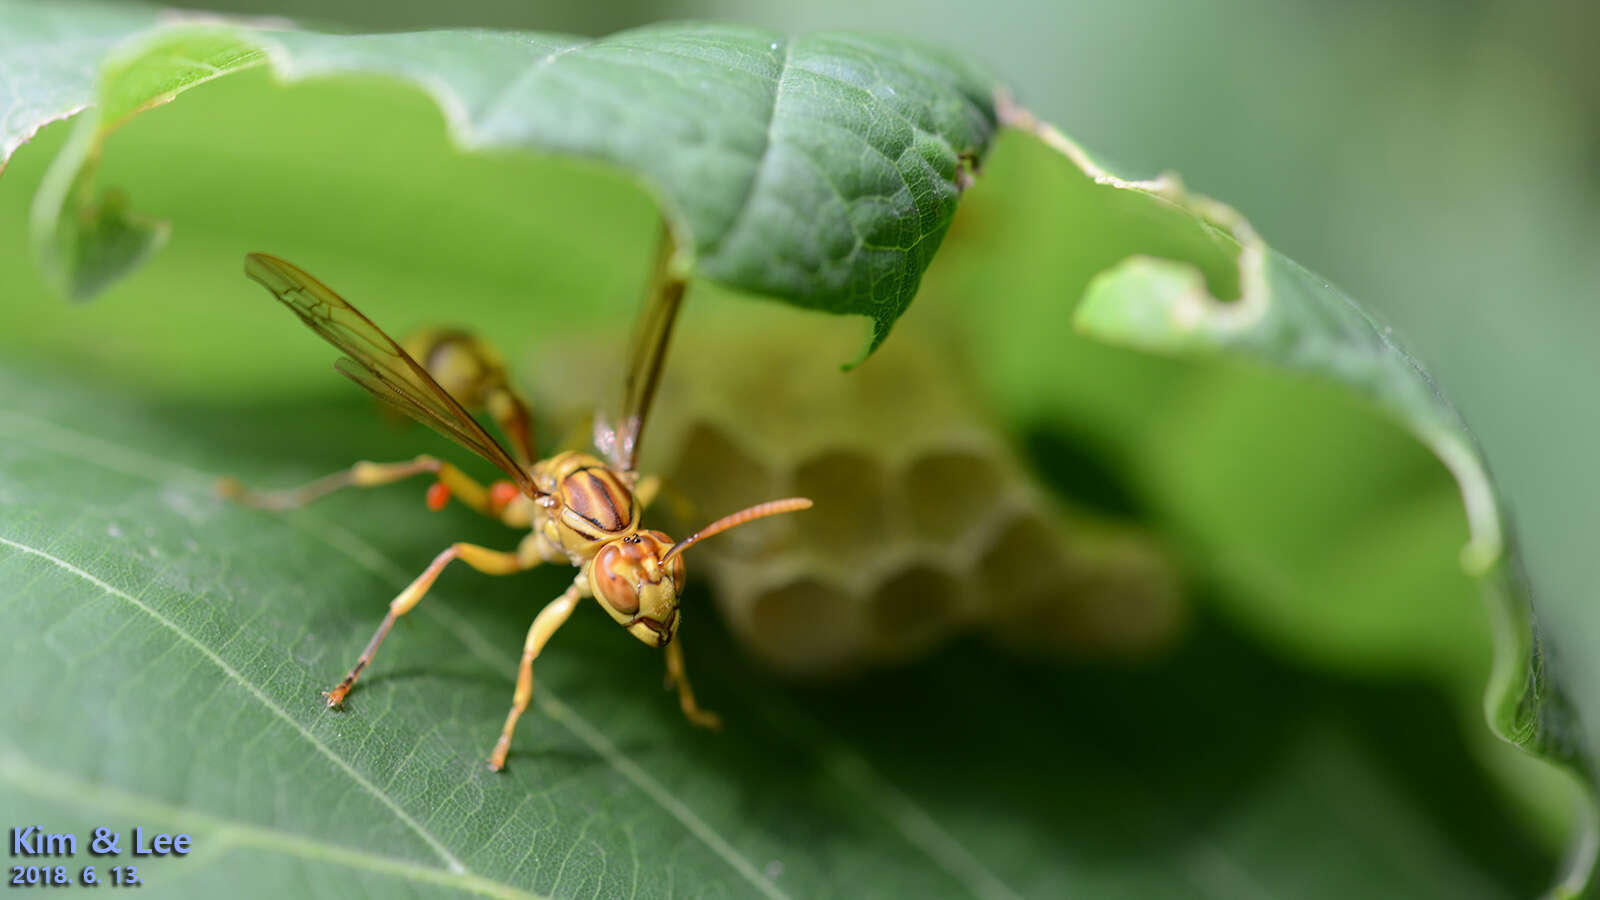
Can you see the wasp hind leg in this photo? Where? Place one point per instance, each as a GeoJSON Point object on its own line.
{"type": "Point", "coordinates": [450, 482]}
{"type": "Point", "coordinates": [551, 618]}
{"type": "Point", "coordinates": [491, 562]}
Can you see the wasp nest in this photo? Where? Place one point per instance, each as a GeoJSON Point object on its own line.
{"type": "Point", "coordinates": [926, 523]}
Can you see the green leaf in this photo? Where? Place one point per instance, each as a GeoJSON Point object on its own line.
{"type": "Point", "coordinates": [182, 642]}
{"type": "Point", "coordinates": [826, 173]}
{"type": "Point", "coordinates": [108, 525]}
{"type": "Point", "coordinates": [1282, 316]}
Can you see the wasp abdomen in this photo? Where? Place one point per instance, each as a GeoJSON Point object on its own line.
{"type": "Point", "coordinates": [466, 367]}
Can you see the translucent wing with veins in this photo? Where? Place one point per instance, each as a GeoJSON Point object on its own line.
{"type": "Point", "coordinates": [377, 363]}
{"type": "Point", "coordinates": [646, 356]}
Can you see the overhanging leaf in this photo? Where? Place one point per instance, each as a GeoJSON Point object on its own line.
{"type": "Point", "coordinates": [826, 173]}
{"type": "Point", "coordinates": [1287, 318]}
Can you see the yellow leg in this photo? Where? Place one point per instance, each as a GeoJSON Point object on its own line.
{"type": "Point", "coordinates": [492, 562]}
{"type": "Point", "coordinates": [677, 677]}
{"type": "Point", "coordinates": [552, 617]}
{"type": "Point", "coordinates": [364, 475]}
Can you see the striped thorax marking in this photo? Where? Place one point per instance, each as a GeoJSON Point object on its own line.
{"type": "Point", "coordinates": [593, 504]}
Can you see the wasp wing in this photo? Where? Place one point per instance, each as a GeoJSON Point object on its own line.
{"type": "Point", "coordinates": [377, 363]}
{"type": "Point", "coordinates": [647, 354]}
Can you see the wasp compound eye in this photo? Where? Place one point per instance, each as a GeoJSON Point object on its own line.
{"type": "Point", "coordinates": [614, 577]}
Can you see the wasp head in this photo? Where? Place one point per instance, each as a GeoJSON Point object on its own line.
{"type": "Point", "coordinates": [636, 588]}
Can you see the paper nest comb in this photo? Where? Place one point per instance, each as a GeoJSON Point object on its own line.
{"type": "Point", "coordinates": [927, 524]}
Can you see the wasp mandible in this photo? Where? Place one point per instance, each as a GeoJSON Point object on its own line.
{"type": "Point", "coordinates": [578, 508]}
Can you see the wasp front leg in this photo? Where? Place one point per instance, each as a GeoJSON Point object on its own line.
{"type": "Point", "coordinates": [549, 620]}
{"type": "Point", "coordinates": [679, 678]}
{"type": "Point", "coordinates": [490, 562]}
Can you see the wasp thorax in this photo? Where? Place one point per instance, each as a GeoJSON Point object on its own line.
{"type": "Point", "coordinates": [592, 503]}
{"type": "Point", "coordinates": [636, 588]}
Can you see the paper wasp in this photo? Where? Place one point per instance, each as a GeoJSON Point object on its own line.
{"type": "Point", "coordinates": [578, 508]}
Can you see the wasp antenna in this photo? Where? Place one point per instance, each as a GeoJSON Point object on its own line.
{"type": "Point", "coordinates": [733, 520]}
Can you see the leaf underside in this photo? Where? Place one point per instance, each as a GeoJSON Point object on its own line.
{"type": "Point", "coordinates": [825, 174]}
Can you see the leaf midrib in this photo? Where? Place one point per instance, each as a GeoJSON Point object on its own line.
{"type": "Point", "coordinates": [763, 157]}
{"type": "Point", "coordinates": [22, 774]}
{"type": "Point", "coordinates": [454, 865]}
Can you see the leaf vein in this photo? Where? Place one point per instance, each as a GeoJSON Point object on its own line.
{"type": "Point", "coordinates": [449, 858]}
{"type": "Point", "coordinates": [493, 109]}
{"type": "Point", "coordinates": [765, 156]}
{"type": "Point", "coordinates": [25, 776]}
{"type": "Point", "coordinates": [67, 441]}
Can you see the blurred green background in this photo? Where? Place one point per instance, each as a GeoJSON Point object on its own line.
{"type": "Point", "coordinates": [1435, 160]}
